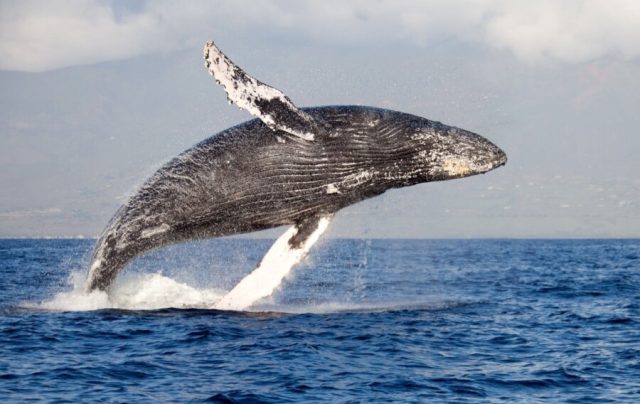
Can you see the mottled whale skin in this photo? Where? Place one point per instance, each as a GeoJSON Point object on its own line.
{"type": "Point", "coordinates": [251, 177]}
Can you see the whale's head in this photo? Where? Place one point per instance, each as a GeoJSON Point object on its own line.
{"type": "Point", "coordinates": [442, 152]}
{"type": "Point", "coordinates": [388, 149]}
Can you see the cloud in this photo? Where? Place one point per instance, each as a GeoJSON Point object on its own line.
{"type": "Point", "coordinates": [46, 35]}
{"type": "Point", "coordinates": [36, 35]}
{"type": "Point", "coordinates": [566, 31]}
{"type": "Point", "coordinates": [14, 214]}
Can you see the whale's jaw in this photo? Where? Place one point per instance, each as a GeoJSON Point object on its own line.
{"type": "Point", "coordinates": [451, 153]}
{"type": "Point", "coordinates": [495, 160]}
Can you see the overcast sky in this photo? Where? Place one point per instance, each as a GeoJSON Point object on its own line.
{"type": "Point", "coordinates": [96, 95]}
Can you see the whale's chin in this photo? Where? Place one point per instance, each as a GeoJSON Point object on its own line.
{"type": "Point", "coordinates": [459, 167]}
{"type": "Point", "coordinates": [499, 160]}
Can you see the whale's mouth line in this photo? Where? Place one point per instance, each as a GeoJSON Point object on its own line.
{"type": "Point", "coordinates": [503, 160]}
{"type": "Point", "coordinates": [496, 164]}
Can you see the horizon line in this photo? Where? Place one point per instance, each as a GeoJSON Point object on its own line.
{"type": "Point", "coordinates": [357, 238]}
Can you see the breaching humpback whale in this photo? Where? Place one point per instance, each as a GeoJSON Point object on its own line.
{"type": "Point", "coordinates": [291, 166]}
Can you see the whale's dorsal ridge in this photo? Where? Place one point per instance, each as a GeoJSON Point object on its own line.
{"type": "Point", "coordinates": [269, 104]}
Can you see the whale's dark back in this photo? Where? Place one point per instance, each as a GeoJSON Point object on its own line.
{"type": "Point", "coordinates": [249, 178]}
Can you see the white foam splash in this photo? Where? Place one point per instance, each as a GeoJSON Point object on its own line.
{"type": "Point", "coordinates": [365, 307]}
{"type": "Point", "coordinates": [275, 265]}
{"type": "Point", "coordinates": [141, 292]}
{"type": "Point", "coordinates": [155, 291]}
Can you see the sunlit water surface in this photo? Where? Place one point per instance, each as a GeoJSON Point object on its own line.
{"type": "Point", "coordinates": [380, 320]}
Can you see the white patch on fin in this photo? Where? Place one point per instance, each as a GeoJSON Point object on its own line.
{"type": "Point", "coordinates": [275, 265]}
{"type": "Point", "coordinates": [269, 104]}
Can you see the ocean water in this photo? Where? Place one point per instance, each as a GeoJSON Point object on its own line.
{"type": "Point", "coordinates": [358, 321]}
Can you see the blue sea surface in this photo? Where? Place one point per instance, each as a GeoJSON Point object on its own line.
{"type": "Point", "coordinates": [358, 321]}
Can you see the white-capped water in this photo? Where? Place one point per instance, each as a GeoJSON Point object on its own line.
{"type": "Point", "coordinates": [138, 292]}
{"type": "Point", "coordinates": [156, 291]}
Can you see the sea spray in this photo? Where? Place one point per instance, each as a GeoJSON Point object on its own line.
{"type": "Point", "coordinates": [76, 299]}
{"type": "Point", "coordinates": [153, 291]}
{"type": "Point", "coordinates": [135, 292]}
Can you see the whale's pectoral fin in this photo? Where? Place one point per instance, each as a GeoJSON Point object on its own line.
{"type": "Point", "coordinates": [275, 265]}
{"type": "Point", "coordinates": [269, 104]}
{"type": "Point", "coordinates": [305, 228]}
